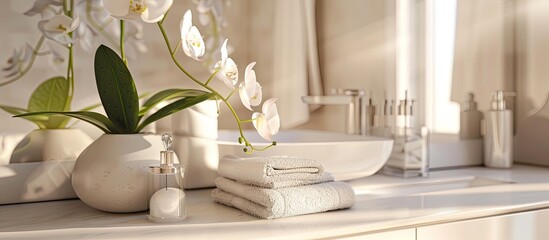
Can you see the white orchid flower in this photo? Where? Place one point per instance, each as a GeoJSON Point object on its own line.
{"type": "Point", "coordinates": [267, 123]}
{"type": "Point", "coordinates": [229, 70]}
{"type": "Point", "coordinates": [150, 11]}
{"type": "Point", "coordinates": [193, 44]}
{"type": "Point", "coordinates": [58, 27]}
{"type": "Point", "coordinates": [16, 62]}
{"type": "Point", "coordinates": [134, 36]}
{"type": "Point", "coordinates": [40, 6]}
{"type": "Point", "coordinates": [250, 90]}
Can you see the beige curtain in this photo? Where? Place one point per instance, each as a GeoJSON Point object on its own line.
{"type": "Point", "coordinates": [295, 59]}
{"type": "Point", "coordinates": [483, 57]}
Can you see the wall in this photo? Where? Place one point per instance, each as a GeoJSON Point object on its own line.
{"type": "Point", "coordinates": [356, 50]}
{"type": "Point", "coordinates": [532, 79]}
{"type": "Point", "coordinates": [355, 46]}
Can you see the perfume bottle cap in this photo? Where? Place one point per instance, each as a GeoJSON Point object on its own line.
{"type": "Point", "coordinates": [167, 158]}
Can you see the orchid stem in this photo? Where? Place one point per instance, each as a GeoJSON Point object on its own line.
{"type": "Point", "coordinates": [66, 8]}
{"type": "Point", "coordinates": [211, 77]}
{"type": "Point", "coordinates": [217, 94]}
{"type": "Point", "coordinates": [177, 47]}
{"type": "Point", "coordinates": [164, 17]}
{"type": "Point", "coordinates": [70, 67]}
{"type": "Point", "coordinates": [122, 33]}
{"type": "Point", "coordinates": [231, 94]}
{"type": "Point", "coordinates": [70, 70]}
{"type": "Point", "coordinates": [71, 11]}
{"type": "Point", "coordinates": [265, 148]}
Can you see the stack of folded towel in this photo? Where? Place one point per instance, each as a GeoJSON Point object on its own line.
{"type": "Point", "coordinates": [275, 187]}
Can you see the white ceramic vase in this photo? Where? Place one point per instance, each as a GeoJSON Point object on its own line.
{"type": "Point", "coordinates": [50, 144]}
{"type": "Point", "coordinates": [111, 174]}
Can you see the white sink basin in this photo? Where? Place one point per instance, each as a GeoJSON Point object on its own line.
{"type": "Point", "coordinates": [344, 156]}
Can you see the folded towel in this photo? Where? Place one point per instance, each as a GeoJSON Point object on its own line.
{"type": "Point", "coordinates": [283, 202]}
{"type": "Point", "coordinates": [273, 172]}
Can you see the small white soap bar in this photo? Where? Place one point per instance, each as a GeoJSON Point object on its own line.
{"type": "Point", "coordinates": [168, 203]}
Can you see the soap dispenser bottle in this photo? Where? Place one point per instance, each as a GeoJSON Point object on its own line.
{"type": "Point", "coordinates": [498, 137]}
{"type": "Point", "coordinates": [470, 119]}
{"type": "Point", "coordinates": [166, 197]}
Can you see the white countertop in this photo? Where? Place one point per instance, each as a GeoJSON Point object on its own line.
{"type": "Point", "coordinates": [375, 210]}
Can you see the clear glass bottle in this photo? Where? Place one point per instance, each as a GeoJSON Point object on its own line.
{"type": "Point", "coordinates": [410, 154]}
{"type": "Point", "coordinates": [166, 197]}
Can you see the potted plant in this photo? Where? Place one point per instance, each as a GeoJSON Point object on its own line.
{"type": "Point", "coordinates": [52, 140]}
{"type": "Point", "coordinates": [64, 25]}
{"type": "Point", "coordinates": [110, 174]}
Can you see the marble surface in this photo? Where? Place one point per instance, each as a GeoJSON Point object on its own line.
{"type": "Point", "coordinates": [383, 203]}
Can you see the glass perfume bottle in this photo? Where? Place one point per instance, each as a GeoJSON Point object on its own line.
{"type": "Point", "coordinates": [409, 157]}
{"type": "Point", "coordinates": [166, 197]}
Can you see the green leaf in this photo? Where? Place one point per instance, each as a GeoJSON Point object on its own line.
{"type": "Point", "coordinates": [116, 89]}
{"type": "Point", "coordinates": [39, 124]}
{"type": "Point", "coordinates": [144, 95]}
{"type": "Point", "coordinates": [168, 94]}
{"type": "Point", "coordinates": [38, 120]}
{"type": "Point", "coordinates": [51, 95]}
{"type": "Point", "coordinates": [173, 108]}
{"type": "Point", "coordinates": [13, 110]}
{"type": "Point", "coordinates": [92, 118]}
{"type": "Point", "coordinates": [56, 122]}
{"type": "Point", "coordinates": [96, 105]}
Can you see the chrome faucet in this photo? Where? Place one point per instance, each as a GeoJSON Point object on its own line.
{"type": "Point", "coordinates": [355, 116]}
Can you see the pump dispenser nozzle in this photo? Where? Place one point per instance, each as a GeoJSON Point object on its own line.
{"type": "Point", "coordinates": [470, 104]}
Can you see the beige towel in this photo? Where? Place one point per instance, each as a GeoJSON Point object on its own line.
{"type": "Point", "coordinates": [283, 202]}
{"type": "Point", "coordinates": [273, 172]}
